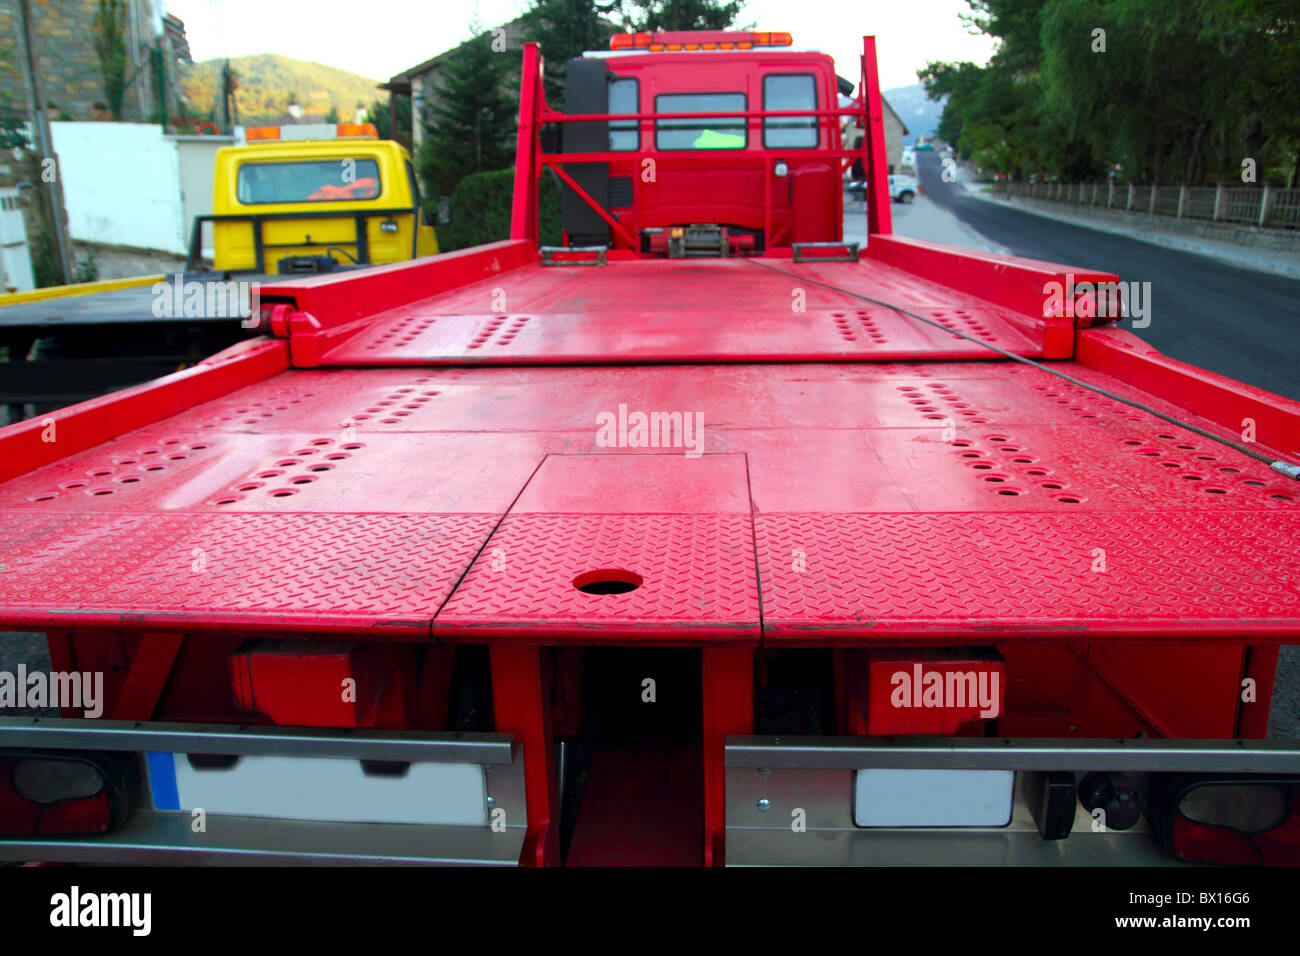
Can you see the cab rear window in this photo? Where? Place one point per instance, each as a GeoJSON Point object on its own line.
{"type": "Point", "coordinates": [323, 180]}
{"type": "Point", "coordinates": [624, 96]}
{"type": "Point", "coordinates": [790, 92]}
{"type": "Point", "coordinates": [701, 133]}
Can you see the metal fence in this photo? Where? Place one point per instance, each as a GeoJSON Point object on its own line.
{"type": "Point", "coordinates": [1257, 205]}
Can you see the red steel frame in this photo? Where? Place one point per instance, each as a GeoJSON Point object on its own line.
{"type": "Point", "coordinates": [534, 113]}
{"type": "Point", "coordinates": [1125, 674]}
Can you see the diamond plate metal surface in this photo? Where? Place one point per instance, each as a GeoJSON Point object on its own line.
{"type": "Point", "coordinates": [957, 575]}
{"type": "Point", "coordinates": [384, 572]}
{"type": "Point", "coordinates": [697, 570]}
{"type": "Point", "coordinates": [762, 316]}
{"type": "Point", "coordinates": [695, 336]}
{"type": "Point", "coordinates": [926, 496]}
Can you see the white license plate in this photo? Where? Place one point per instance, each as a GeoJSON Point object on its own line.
{"type": "Point", "coordinates": [322, 788]}
{"type": "Point", "coordinates": [933, 798]}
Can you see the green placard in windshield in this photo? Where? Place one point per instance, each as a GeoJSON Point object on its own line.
{"type": "Point", "coordinates": [714, 139]}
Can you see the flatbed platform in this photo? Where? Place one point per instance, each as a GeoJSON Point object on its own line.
{"type": "Point", "coordinates": [834, 491]}
{"type": "Point", "coordinates": [696, 311]}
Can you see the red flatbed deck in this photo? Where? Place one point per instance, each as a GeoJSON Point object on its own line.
{"type": "Point", "coordinates": [400, 489]}
{"type": "Point", "coordinates": [692, 311]}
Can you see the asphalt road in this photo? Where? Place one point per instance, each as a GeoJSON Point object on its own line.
{"type": "Point", "coordinates": [1239, 323]}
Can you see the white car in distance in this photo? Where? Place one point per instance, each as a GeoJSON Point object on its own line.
{"type": "Point", "coordinates": [902, 188]}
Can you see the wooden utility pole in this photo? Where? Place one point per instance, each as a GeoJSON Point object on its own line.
{"type": "Point", "coordinates": [44, 143]}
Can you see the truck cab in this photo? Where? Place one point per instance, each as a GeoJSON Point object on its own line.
{"type": "Point", "coordinates": [313, 198]}
{"type": "Point", "coordinates": [695, 170]}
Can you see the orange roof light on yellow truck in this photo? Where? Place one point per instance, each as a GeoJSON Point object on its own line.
{"type": "Point", "coordinates": [313, 131]}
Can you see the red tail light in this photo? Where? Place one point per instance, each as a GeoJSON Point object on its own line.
{"type": "Point", "coordinates": [1246, 820]}
{"type": "Point", "coordinates": [61, 793]}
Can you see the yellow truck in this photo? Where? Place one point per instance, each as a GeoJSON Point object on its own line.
{"type": "Point", "coordinates": [295, 200]}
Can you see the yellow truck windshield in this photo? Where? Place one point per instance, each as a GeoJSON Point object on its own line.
{"type": "Point", "coordinates": [322, 180]}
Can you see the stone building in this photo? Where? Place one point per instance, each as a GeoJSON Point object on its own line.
{"type": "Point", "coordinates": [71, 86]}
{"type": "Point", "coordinates": [68, 69]}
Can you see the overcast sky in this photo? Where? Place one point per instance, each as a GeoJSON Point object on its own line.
{"type": "Point", "coordinates": [384, 37]}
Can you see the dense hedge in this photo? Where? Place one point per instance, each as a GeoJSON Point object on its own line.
{"type": "Point", "coordinates": [480, 210]}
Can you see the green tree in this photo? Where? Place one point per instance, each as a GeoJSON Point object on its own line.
{"type": "Point", "coordinates": [565, 29]}
{"type": "Point", "coordinates": [481, 210]}
{"type": "Point", "coordinates": [13, 113]}
{"type": "Point", "coordinates": [377, 113]}
{"type": "Point", "coordinates": [110, 47]}
{"type": "Point", "coordinates": [651, 15]}
{"type": "Point", "coordinates": [1155, 103]}
{"type": "Point", "coordinates": [1179, 91]}
{"type": "Point", "coordinates": [471, 127]}
{"type": "Point", "coordinates": [959, 83]}
{"type": "Point", "coordinates": [1261, 39]}
{"type": "Point", "coordinates": [994, 113]}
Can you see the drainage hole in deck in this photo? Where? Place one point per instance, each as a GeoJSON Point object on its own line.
{"type": "Point", "coordinates": [608, 581]}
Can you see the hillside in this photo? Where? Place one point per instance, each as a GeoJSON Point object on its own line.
{"type": "Point", "coordinates": [266, 82]}
{"type": "Point", "coordinates": [919, 113]}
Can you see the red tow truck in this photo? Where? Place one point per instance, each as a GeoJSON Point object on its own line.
{"type": "Point", "coordinates": [704, 538]}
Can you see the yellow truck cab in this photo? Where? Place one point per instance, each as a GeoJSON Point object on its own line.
{"type": "Point", "coordinates": [313, 198]}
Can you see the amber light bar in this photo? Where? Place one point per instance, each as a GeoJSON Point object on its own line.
{"type": "Point", "coordinates": [672, 41]}
{"type": "Point", "coordinates": [314, 131]}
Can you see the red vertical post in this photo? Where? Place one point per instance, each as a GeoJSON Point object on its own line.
{"type": "Point", "coordinates": [835, 139]}
{"type": "Point", "coordinates": [523, 213]}
{"type": "Point", "coordinates": [764, 178]}
{"type": "Point", "coordinates": [874, 165]}
{"type": "Point", "coordinates": [62, 658]}
{"type": "Point", "coordinates": [1260, 665]}
{"type": "Point", "coordinates": [728, 709]}
{"type": "Point", "coordinates": [636, 206]}
{"type": "Point", "coordinates": [522, 707]}
{"type": "Point", "coordinates": [147, 676]}
{"type": "Point", "coordinates": [843, 708]}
